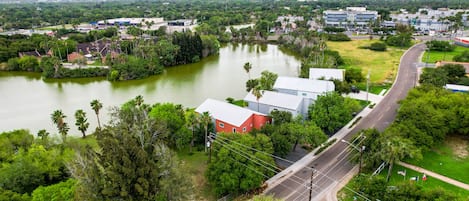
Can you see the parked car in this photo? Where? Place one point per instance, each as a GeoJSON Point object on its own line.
{"type": "Point", "coordinates": [354, 89]}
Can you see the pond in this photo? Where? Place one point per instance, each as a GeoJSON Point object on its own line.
{"type": "Point", "coordinates": [27, 101]}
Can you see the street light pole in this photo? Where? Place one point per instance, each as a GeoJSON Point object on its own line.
{"type": "Point", "coordinates": [358, 149]}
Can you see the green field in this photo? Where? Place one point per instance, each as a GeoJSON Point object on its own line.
{"type": "Point", "coordinates": [196, 164]}
{"type": "Point", "coordinates": [449, 159]}
{"type": "Point", "coordinates": [382, 65]}
{"type": "Point", "coordinates": [430, 183]}
{"type": "Point", "coordinates": [442, 56]}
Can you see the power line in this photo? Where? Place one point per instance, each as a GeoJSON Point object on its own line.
{"type": "Point", "coordinates": [256, 171]}
{"type": "Point", "coordinates": [319, 172]}
{"type": "Point", "coordinates": [228, 146]}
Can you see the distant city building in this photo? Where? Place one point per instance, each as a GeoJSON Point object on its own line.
{"type": "Point", "coordinates": [428, 19]}
{"type": "Point", "coordinates": [288, 22]}
{"type": "Point", "coordinates": [270, 101]}
{"type": "Point", "coordinates": [350, 17]}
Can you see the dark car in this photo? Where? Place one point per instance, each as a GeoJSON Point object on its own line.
{"type": "Point", "coordinates": [354, 89]}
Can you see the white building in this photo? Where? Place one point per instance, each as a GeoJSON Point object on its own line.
{"type": "Point", "coordinates": [308, 89]}
{"type": "Point", "coordinates": [326, 74]}
{"type": "Point", "coordinates": [350, 17]}
{"type": "Point", "coordinates": [276, 101]}
{"type": "Point", "coordinates": [427, 19]}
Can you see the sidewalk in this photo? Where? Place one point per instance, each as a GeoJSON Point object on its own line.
{"type": "Point", "coordinates": [303, 162]}
{"type": "Point", "coordinates": [362, 96]}
{"type": "Point", "coordinates": [436, 175]}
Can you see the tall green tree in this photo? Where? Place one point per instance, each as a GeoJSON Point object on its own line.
{"type": "Point", "coordinates": [133, 163]}
{"type": "Point", "coordinates": [81, 122]}
{"type": "Point", "coordinates": [332, 111]}
{"type": "Point", "coordinates": [192, 119]}
{"type": "Point", "coordinates": [236, 168]}
{"type": "Point", "coordinates": [205, 120]}
{"type": "Point", "coordinates": [395, 148]}
{"type": "Point", "coordinates": [267, 80]}
{"type": "Point", "coordinates": [96, 106]}
{"type": "Point", "coordinates": [258, 93]}
{"type": "Point", "coordinates": [247, 67]}
{"type": "Point", "coordinates": [58, 117]}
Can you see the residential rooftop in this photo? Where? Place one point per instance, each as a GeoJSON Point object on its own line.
{"type": "Point", "coordinates": [276, 99]}
{"type": "Point", "coordinates": [302, 84]}
{"type": "Point", "coordinates": [226, 112]}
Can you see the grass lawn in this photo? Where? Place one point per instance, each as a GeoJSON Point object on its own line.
{"type": "Point", "coordinates": [382, 65]}
{"type": "Point", "coordinates": [196, 164]}
{"type": "Point", "coordinates": [431, 183]}
{"type": "Point", "coordinates": [395, 179]}
{"type": "Point", "coordinates": [442, 56]}
{"type": "Point", "coordinates": [450, 159]}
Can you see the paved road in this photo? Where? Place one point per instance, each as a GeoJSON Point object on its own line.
{"type": "Point", "coordinates": [333, 164]}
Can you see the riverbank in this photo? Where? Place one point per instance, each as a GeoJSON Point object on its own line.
{"type": "Point", "coordinates": [29, 100]}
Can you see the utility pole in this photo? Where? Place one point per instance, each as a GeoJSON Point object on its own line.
{"type": "Point", "coordinates": [311, 184]}
{"type": "Point", "coordinates": [210, 151]}
{"type": "Point", "coordinates": [361, 159]}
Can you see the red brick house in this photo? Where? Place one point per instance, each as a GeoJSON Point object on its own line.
{"type": "Point", "coordinates": [231, 118]}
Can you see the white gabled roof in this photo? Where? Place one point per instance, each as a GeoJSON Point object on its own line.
{"type": "Point", "coordinates": [226, 112]}
{"type": "Point", "coordinates": [276, 99]}
{"type": "Point", "coordinates": [326, 73]}
{"type": "Point", "coordinates": [301, 84]}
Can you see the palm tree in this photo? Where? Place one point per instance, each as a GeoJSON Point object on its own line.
{"type": "Point", "coordinates": [247, 67]}
{"type": "Point", "coordinates": [205, 119]}
{"type": "Point", "coordinates": [43, 134]}
{"type": "Point", "coordinates": [81, 122]}
{"type": "Point", "coordinates": [58, 118]}
{"type": "Point", "coordinates": [96, 106]}
{"type": "Point", "coordinates": [258, 93]}
{"type": "Point", "coordinates": [395, 148]}
{"type": "Point", "coordinates": [139, 100]}
{"type": "Point", "coordinates": [192, 119]}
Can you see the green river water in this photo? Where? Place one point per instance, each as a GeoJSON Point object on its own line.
{"type": "Point", "coordinates": [27, 101]}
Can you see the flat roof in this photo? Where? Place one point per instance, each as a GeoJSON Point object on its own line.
{"type": "Point", "coordinates": [302, 84]}
{"type": "Point", "coordinates": [276, 99]}
{"type": "Point", "coordinates": [226, 112]}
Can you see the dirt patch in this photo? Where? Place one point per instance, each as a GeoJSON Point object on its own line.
{"type": "Point", "coordinates": [459, 145]}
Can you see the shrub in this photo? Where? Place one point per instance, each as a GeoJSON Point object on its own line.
{"type": "Point", "coordinates": [378, 46]}
{"type": "Point", "coordinates": [338, 37]}
{"type": "Point", "coordinates": [463, 57]}
{"type": "Point", "coordinates": [438, 45]}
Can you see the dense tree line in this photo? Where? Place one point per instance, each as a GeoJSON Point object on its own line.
{"type": "Point", "coordinates": [134, 151]}
{"type": "Point", "coordinates": [223, 13]}
{"type": "Point", "coordinates": [447, 74]}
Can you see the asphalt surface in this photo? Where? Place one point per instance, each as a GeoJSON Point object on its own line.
{"type": "Point", "coordinates": [331, 166]}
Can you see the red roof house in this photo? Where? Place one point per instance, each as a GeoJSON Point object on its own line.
{"type": "Point", "coordinates": [231, 118]}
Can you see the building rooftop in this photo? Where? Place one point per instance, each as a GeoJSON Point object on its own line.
{"type": "Point", "coordinates": [226, 112]}
{"type": "Point", "coordinates": [301, 84]}
{"type": "Point", "coordinates": [326, 74]}
{"type": "Point", "coordinates": [276, 99]}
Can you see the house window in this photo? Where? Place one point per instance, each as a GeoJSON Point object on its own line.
{"type": "Point", "coordinates": [221, 125]}
{"type": "Point", "coordinates": [244, 129]}
{"type": "Point", "coordinates": [304, 94]}
{"type": "Point", "coordinates": [234, 130]}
